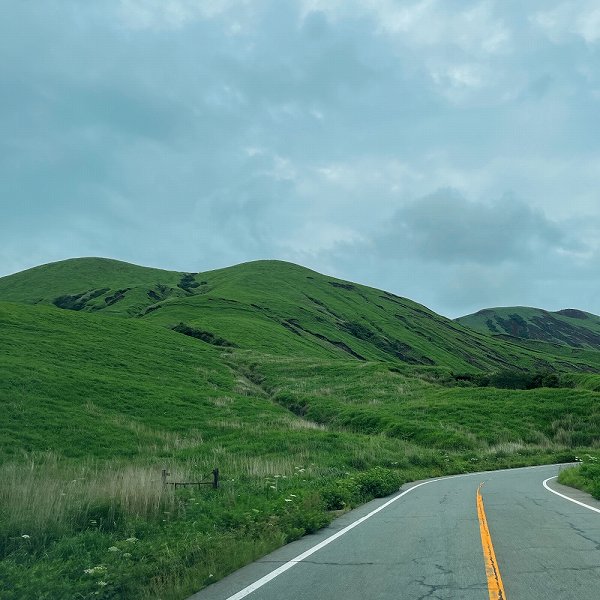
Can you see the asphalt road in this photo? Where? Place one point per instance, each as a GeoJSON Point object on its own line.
{"type": "Point", "coordinates": [426, 543]}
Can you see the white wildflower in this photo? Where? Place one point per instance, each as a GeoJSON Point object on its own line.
{"type": "Point", "coordinates": [95, 570]}
{"type": "Point", "coordinates": [25, 536]}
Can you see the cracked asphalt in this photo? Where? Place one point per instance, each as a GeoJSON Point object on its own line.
{"type": "Point", "coordinates": [427, 545]}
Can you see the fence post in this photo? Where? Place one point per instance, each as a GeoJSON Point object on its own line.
{"type": "Point", "coordinates": [215, 478]}
{"type": "Point", "coordinates": [164, 476]}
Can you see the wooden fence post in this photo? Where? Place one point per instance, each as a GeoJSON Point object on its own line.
{"type": "Point", "coordinates": [164, 476]}
{"type": "Point", "coordinates": [215, 478]}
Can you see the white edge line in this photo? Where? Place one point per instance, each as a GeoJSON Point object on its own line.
{"type": "Point", "coordinates": [288, 565]}
{"type": "Point", "coordinates": [545, 483]}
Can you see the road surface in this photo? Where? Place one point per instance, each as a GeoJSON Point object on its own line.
{"type": "Point", "coordinates": [429, 542]}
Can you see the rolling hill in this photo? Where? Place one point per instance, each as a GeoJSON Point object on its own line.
{"type": "Point", "coordinates": [280, 308]}
{"type": "Point", "coordinates": [568, 327]}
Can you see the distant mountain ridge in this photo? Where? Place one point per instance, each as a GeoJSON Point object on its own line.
{"type": "Point", "coordinates": [569, 327]}
{"type": "Point", "coordinates": [284, 309]}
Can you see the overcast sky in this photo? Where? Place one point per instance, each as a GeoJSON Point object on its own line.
{"type": "Point", "coordinates": [444, 150]}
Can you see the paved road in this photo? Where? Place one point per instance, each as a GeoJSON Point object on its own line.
{"type": "Point", "coordinates": [427, 544]}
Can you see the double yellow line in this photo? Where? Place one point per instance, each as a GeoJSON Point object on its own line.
{"type": "Point", "coordinates": [495, 586]}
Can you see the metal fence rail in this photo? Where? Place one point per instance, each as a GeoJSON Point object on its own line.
{"type": "Point", "coordinates": [214, 482]}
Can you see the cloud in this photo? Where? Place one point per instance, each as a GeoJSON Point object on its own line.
{"type": "Point", "coordinates": [175, 14]}
{"type": "Point", "coordinates": [567, 20]}
{"type": "Point", "coordinates": [475, 27]}
{"type": "Point", "coordinates": [446, 227]}
{"type": "Point", "coordinates": [454, 47]}
{"type": "Point", "coordinates": [191, 135]}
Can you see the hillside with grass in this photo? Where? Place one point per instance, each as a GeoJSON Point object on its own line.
{"type": "Point", "coordinates": [568, 327]}
{"type": "Point", "coordinates": [280, 308]}
{"type": "Point", "coordinates": [310, 395]}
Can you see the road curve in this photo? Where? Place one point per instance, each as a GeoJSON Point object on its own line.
{"type": "Point", "coordinates": [425, 543]}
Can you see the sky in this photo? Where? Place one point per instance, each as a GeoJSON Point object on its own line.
{"type": "Point", "coordinates": [444, 150]}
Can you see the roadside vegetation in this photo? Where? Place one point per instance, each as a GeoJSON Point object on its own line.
{"type": "Point", "coordinates": [585, 476]}
{"type": "Point", "coordinates": [96, 405]}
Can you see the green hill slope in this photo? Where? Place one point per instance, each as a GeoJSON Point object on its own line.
{"type": "Point", "coordinates": [83, 385]}
{"type": "Point", "coordinates": [310, 394]}
{"type": "Point", "coordinates": [279, 308]}
{"type": "Point", "coordinates": [569, 327]}
{"type": "Point", "coordinates": [93, 408]}
{"type": "Point", "coordinates": [92, 285]}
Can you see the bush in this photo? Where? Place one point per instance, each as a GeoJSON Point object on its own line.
{"type": "Point", "coordinates": [303, 522]}
{"type": "Point", "coordinates": [374, 483]}
{"type": "Point", "coordinates": [337, 496]}
{"type": "Point", "coordinates": [518, 380]}
{"type": "Point", "coordinates": [378, 482]}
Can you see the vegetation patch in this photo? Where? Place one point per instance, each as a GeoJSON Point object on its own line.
{"type": "Point", "coordinates": [396, 348]}
{"type": "Point", "coordinates": [159, 292]}
{"type": "Point", "coordinates": [188, 282]}
{"type": "Point", "coordinates": [205, 336]}
{"type": "Point", "coordinates": [518, 380]}
{"type": "Point", "coordinates": [78, 301]}
{"type": "Point", "coordinates": [584, 477]}
{"type": "Point", "coordinates": [116, 296]}
{"type": "Point", "coordinates": [344, 286]}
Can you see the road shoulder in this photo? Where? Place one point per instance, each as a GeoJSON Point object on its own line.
{"type": "Point", "coordinates": [574, 494]}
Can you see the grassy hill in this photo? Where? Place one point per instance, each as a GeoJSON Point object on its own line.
{"type": "Point", "coordinates": [279, 308]}
{"type": "Point", "coordinates": [310, 394]}
{"type": "Point", "coordinates": [568, 327]}
{"type": "Point", "coordinates": [91, 285]}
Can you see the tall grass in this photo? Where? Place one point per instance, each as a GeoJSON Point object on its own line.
{"type": "Point", "coordinates": [45, 493]}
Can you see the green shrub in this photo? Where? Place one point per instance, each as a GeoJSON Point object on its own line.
{"type": "Point", "coordinates": [338, 495]}
{"type": "Point", "coordinates": [518, 380]}
{"type": "Point", "coordinates": [378, 482]}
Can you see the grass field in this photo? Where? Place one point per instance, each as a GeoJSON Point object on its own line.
{"type": "Point", "coordinates": [310, 397]}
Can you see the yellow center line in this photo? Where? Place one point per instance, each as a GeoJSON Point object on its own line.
{"type": "Point", "coordinates": [492, 571]}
